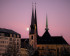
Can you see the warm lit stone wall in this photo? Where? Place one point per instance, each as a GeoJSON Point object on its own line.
{"type": "Point", "coordinates": [33, 40]}
{"type": "Point", "coordinates": [24, 52]}
{"type": "Point", "coordinates": [54, 50]}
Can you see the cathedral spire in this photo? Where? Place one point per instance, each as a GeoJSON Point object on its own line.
{"type": "Point", "coordinates": [36, 19]}
{"type": "Point", "coordinates": [46, 23]}
{"type": "Point", "coordinates": [32, 27]}
{"type": "Point", "coordinates": [32, 20]}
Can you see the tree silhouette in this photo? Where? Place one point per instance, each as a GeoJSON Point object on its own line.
{"type": "Point", "coordinates": [31, 50]}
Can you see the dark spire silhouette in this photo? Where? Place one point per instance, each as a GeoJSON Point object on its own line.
{"type": "Point", "coordinates": [32, 20]}
{"type": "Point", "coordinates": [46, 23]}
{"type": "Point", "coordinates": [36, 20]}
{"type": "Point", "coordinates": [46, 34]}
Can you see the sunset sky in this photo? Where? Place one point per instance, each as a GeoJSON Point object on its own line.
{"type": "Point", "coordinates": [16, 15]}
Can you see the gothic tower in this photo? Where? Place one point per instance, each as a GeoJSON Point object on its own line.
{"type": "Point", "coordinates": [33, 30]}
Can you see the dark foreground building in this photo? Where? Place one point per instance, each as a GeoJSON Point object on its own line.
{"type": "Point", "coordinates": [47, 45]}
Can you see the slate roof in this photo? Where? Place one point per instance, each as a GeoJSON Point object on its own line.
{"type": "Point", "coordinates": [48, 39]}
{"type": "Point", "coordinates": [3, 30]}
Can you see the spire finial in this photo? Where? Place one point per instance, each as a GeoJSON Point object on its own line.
{"type": "Point", "coordinates": [32, 5]}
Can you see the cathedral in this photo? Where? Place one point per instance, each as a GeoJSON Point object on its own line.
{"type": "Point", "coordinates": [46, 44]}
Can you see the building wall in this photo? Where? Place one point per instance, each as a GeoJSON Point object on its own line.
{"type": "Point", "coordinates": [53, 50]}
{"type": "Point", "coordinates": [33, 40]}
{"type": "Point", "coordinates": [24, 52]}
{"type": "Point", "coordinates": [5, 41]}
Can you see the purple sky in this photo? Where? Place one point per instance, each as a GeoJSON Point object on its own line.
{"type": "Point", "coordinates": [16, 15]}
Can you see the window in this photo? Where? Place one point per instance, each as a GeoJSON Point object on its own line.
{"type": "Point", "coordinates": [31, 37]}
{"type": "Point", "coordinates": [18, 36]}
{"type": "Point", "coordinates": [47, 47]}
{"type": "Point", "coordinates": [0, 34]}
{"type": "Point", "coordinates": [17, 43]}
{"type": "Point", "coordinates": [17, 39]}
{"type": "Point", "coordinates": [18, 47]}
{"type": "Point", "coordinates": [10, 39]}
{"type": "Point", "coordinates": [43, 48]}
{"type": "Point", "coordinates": [14, 35]}
{"type": "Point", "coordinates": [38, 48]}
{"type": "Point", "coordinates": [3, 41]}
{"type": "Point", "coordinates": [10, 42]}
{"type": "Point", "coordinates": [10, 35]}
{"type": "Point", "coordinates": [6, 38]}
{"type": "Point", "coordinates": [32, 45]}
{"type": "Point", "coordinates": [7, 34]}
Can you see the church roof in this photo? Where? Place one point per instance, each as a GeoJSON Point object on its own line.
{"type": "Point", "coordinates": [46, 34]}
{"type": "Point", "coordinates": [58, 40]}
{"type": "Point", "coordinates": [48, 39]}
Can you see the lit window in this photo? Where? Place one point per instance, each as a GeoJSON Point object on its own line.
{"type": "Point", "coordinates": [10, 35]}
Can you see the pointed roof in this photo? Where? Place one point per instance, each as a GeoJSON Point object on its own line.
{"type": "Point", "coordinates": [46, 24]}
{"type": "Point", "coordinates": [32, 20]}
{"type": "Point", "coordinates": [46, 34]}
{"type": "Point", "coordinates": [36, 19]}
{"type": "Point", "coordinates": [35, 16]}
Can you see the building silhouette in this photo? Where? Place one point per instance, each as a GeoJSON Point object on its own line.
{"type": "Point", "coordinates": [46, 44]}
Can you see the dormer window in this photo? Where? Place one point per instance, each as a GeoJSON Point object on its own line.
{"type": "Point", "coordinates": [18, 36]}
